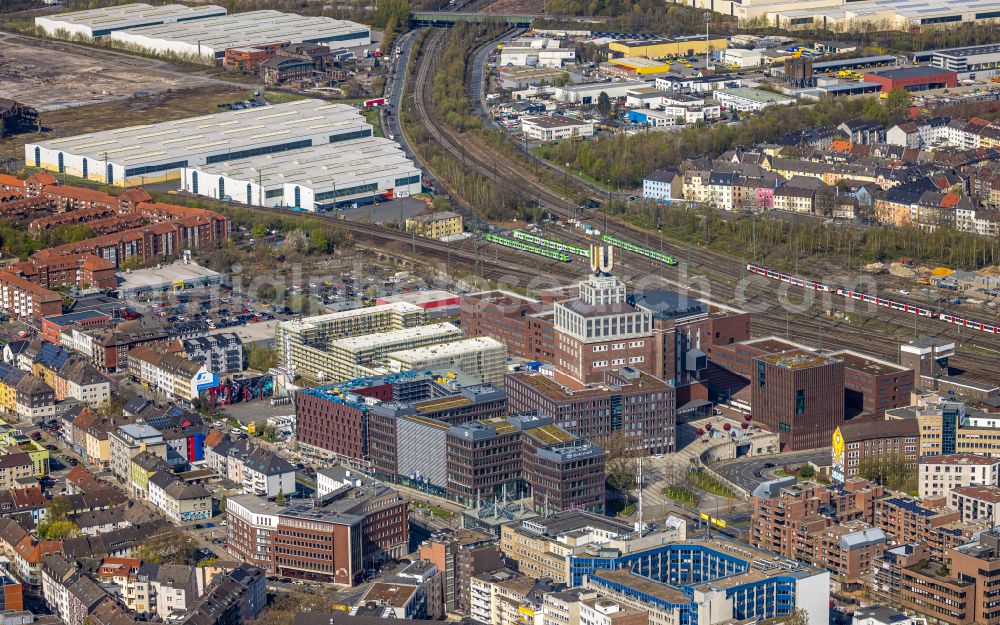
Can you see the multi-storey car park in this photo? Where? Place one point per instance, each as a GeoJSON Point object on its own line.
{"type": "Point", "coordinates": [322, 177]}
{"type": "Point", "coordinates": [209, 38]}
{"type": "Point", "coordinates": [158, 152]}
{"type": "Point", "coordinates": [97, 23]}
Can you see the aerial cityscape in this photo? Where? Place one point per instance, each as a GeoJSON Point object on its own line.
{"type": "Point", "coordinates": [500, 312]}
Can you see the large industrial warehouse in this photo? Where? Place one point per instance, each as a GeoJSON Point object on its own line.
{"type": "Point", "coordinates": [97, 23]}
{"type": "Point", "coordinates": [209, 38]}
{"type": "Point", "coordinates": [314, 179]}
{"type": "Point", "coordinates": [157, 152]}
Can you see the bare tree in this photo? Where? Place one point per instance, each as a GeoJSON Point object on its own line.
{"type": "Point", "coordinates": [621, 454]}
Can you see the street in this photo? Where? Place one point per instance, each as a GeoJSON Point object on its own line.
{"type": "Point", "coordinates": [749, 473]}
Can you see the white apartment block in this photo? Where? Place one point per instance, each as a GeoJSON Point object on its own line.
{"type": "Point", "coordinates": [939, 475]}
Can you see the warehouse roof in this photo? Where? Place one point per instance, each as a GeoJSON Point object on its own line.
{"type": "Point", "coordinates": [193, 137]}
{"type": "Point", "coordinates": [956, 53]}
{"type": "Point", "coordinates": [131, 15]}
{"type": "Point", "coordinates": [340, 165]}
{"type": "Point", "coordinates": [756, 95]}
{"type": "Point", "coordinates": [638, 62]}
{"type": "Point", "coordinates": [248, 29]}
{"type": "Point", "coordinates": [554, 121]}
{"type": "Point", "coordinates": [911, 72]}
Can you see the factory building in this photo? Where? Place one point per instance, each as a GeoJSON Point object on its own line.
{"type": "Point", "coordinates": [973, 63]}
{"type": "Point", "coordinates": [662, 48]}
{"type": "Point", "coordinates": [97, 23]}
{"type": "Point", "coordinates": [208, 39]}
{"type": "Point", "coordinates": [750, 99]}
{"type": "Point", "coordinates": [555, 128]}
{"type": "Point", "coordinates": [350, 172]}
{"type": "Point", "coordinates": [158, 152]}
{"type": "Point", "coordinates": [906, 15]}
{"type": "Point", "coordinates": [537, 52]}
{"type": "Point", "coordinates": [588, 93]}
{"type": "Point", "coordinates": [637, 66]}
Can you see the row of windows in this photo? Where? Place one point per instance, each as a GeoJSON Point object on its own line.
{"type": "Point", "coordinates": [347, 136]}
{"type": "Point", "coordinates": [364, 188]}
{"type": "Point", "coordinates": [268, 149]}
{"type": "Point", "coordinates": [408, 180]}
{"type": "Point", "coordinates": [344, 37]}
{"type": "Point", "coordinates": [148, 169]}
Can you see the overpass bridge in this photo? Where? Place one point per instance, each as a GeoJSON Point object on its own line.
{"type": "Point", "coordinates": [448, 18]}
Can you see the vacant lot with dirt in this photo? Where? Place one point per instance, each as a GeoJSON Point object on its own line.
{"type": "Point", "coordinates": [51, 76]}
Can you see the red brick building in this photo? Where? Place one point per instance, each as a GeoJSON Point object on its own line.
{"type": "Point", "coordinates": [53, 327]}
{"type": "Point", "coordinates": [333, 538]}
{"type": "Point", "coordinates": [799, 395]}
{"type": "Point", "coordinates": [919, 78]}
{"type": "Point", "coordinates": [66, 198]}
{"type": "Point", "coordinates": [658, 332]}
{"type": "Point", "coordinates": [23, 299]}
{"type": "Point", "coordinates": [929, 521]}
{"type": "Point", "coordinates": [873, 385]}
{"type": "Point", "coordinates": [866, 440]}
{"type": "Point", "coordinates": [827, 526]}
{"type": "Point", "coordinates": [513, 320]}
{"type": "Point", "coordinates": [52, 271]}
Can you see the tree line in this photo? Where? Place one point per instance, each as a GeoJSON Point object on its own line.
{"type": "Point", "coordinates": [452, 105]}
{"type": "Point", "coordinates": [783, 243]}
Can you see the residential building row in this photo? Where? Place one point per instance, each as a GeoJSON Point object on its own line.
{"type": "Point", "coordinates": [28, 288]}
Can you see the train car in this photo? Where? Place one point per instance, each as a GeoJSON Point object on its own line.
{"type": "Point", "coordinates": [562, 257]}
{"type": "Point", "coordinates": [784, 277]}
{"type": "Point", "coordinates": [553, 245]}
{"type": "Point", "coordinates": [638, 249]}
{"type": "Point", "coordinates": [913, 309]}
{"type": "Point", "coordinates": [989, 328]}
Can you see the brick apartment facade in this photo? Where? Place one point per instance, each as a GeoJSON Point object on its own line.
{"type": "Point", "coordinates": [23, 299]}
{"type": "Point", "coordinates": [873, 440]}
{"type": "Point", "coordinates": [929, 521]}
{"type": "Point", "coordinates": [961, 588]}
{"type": "Point", "coordinates": [827, 526]}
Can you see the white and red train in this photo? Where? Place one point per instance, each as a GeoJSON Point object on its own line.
{"type": "Point", "coordinates": [913, 309]}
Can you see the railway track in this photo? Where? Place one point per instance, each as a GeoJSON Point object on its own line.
{"type": "Point", "coordinates": [723, 273]}
{"type": "Point", "coordinates": [469, 255]}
